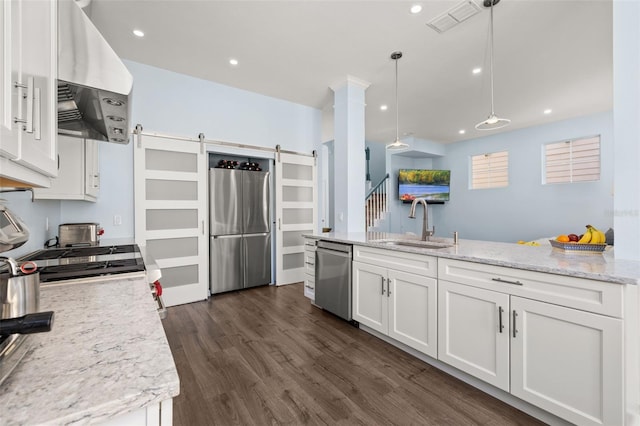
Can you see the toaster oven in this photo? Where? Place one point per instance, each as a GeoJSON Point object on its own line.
{"type": "Point", "coordinates": [79, 234]}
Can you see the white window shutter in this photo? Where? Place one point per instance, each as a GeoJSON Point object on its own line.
{"type": "Point", "coordinates": [570, 161]}
{"type": "Point", "coordinates": [490, 170]}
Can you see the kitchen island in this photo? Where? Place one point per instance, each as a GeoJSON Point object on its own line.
{"type": "Point", "coordinates": [543, 258]}
{"type": "Point", "coordinates": [549, 332]}
{"type": "Point", "coordinates": [106, 359]}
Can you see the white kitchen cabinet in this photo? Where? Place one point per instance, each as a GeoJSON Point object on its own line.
{"type": "Point", "coordinates": [568, 362]}
{"type": "Point", "coordinates": [28, 111]}
{"type": "Point", "coordinates": [79, 175]}
{"type": "Point", "coordinates": [401, 305]}
{"type": "Point", "coordinates": [564, 360]}
{"type": "Point", "coordinates": [370, 306]}
{"type": "Point", "coordinates": [473, 331]}
{"type": "Point", "coordinates": [154, 415]}
{"type": "Point", "coordinates": [310, 268]}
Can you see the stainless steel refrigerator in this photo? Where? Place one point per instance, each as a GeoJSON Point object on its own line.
{"type": "Point", "coordinates": [240, 239]}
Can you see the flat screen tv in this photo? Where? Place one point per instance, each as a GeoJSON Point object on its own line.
{"type": "Point", "coordinates": [432, 185]}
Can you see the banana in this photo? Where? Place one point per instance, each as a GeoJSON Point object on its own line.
{"type": "Point", "coordinates": [586, 238]}
{"type": "Point", "coordinates": [597, 236]}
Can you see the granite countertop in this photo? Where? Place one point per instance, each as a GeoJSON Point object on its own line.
{"type": "Point", "coordinates": [106, 355]}
{"type": "Point", "coordinates": [543, 258]}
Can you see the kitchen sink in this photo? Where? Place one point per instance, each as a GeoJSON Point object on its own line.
{"type": "Point", "coordinates": [415, 243]}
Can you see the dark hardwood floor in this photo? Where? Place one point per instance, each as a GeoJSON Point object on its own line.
{"type": "Point", "coordinates": [266, 356]}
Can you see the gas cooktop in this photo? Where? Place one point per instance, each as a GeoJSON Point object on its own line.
{"type": "Point", "coordinates": [62, 253]}
{"type": "Point", "coordinates": [73, 263]}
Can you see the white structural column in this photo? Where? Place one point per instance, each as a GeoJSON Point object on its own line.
{"type": "Point", "coordinates": [626, 120]}
{"type": "Point", "coordinates": [349, 159]}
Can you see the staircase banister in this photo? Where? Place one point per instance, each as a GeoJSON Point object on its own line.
{"type": "Point", "coordinates": [372, 190]}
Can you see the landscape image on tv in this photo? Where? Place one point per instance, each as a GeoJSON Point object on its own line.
{"type": "Point", "coordinates": [432, 185]}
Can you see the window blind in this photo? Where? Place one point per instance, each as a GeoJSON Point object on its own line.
{"type": "Point", "coordinates": [576, 160]}
{"type": "Point", "coordinates": [490, 170]}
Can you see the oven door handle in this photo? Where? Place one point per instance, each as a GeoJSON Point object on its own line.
{"type": "Point", "coordinates": [162, 309]}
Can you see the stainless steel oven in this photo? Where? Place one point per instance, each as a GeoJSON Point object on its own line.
{"type": "Point", "coordinates": [91, 263]}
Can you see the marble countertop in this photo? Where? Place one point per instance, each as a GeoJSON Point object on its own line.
{"type": "Point", "coordinates": [106, 355]}
{"type": "Point", "coordinates": [543, 258]}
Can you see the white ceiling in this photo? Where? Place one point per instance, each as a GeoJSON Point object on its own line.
{"type": "Point", "coordinates": [548, 54]}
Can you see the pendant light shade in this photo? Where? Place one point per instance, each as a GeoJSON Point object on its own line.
{"type": "Point", "coordinates": [493, 122]}
{"type": "Point", "coordinates": [398, 144]}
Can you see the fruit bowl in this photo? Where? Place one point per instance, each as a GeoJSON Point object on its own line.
{"type": "Point", "coordinates": [578, 247]}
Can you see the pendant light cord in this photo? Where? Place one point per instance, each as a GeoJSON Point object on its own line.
{"type": "Point", "coordinates": [397, 112]}
{"type": "Point", "coordinates": [491, 58]}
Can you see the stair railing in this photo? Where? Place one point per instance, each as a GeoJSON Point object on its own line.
{"type": "Point", "coordinates": [376, 204]}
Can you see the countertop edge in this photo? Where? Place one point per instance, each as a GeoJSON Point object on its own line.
{"type": "Point", "coordinates": [153, 386]}
{"type": "Point", "coordinates": [373, 240]}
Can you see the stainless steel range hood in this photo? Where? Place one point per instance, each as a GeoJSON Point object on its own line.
{"type": "Point", "coordinates": [94, 86]}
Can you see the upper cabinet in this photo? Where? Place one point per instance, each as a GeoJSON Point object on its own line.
{"type": "Point", "coordinates": [79, 175]}
{"type": "Point", "coordinates": [28, 54]}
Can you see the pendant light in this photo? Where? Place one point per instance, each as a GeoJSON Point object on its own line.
{"type": "Point", "coordinates": [397, 145]}
{"type": "Point", "coordinates": [493, 122]}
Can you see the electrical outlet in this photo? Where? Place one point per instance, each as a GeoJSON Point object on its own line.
{"type": "Point", "coordinates": [117, 220]}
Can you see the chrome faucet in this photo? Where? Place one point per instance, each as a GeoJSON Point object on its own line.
{"type": "Point", "coordinates": [412, 214]}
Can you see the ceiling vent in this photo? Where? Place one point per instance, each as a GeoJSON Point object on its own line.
{"type": "Point", "coordinates": [452, 17]}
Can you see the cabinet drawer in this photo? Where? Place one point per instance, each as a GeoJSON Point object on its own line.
{"type": "Point", "coordinates": [309, 288]}
{"type": "Point", "coordinates": [402, 261]}
{"type": "Point", "coordinates": [588, 295]}
{"type": "Point", "coordinates": [310, 262]}
{"type": "Point", "coordinates": [310, 244]}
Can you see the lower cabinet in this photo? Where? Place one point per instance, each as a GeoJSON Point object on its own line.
{"type": "Point", "coordinates": [160, 414]}
{"type": "Point", "coordinates": [566, 361]}
{"type": "Point", "coordinates": [398, 304]}
{"type": "Point", "coordinates": [310, 268]}
{"type": "Point", "coordinates": [473, 332]}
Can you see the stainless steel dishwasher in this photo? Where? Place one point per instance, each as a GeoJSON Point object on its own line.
{"type": "Point", "coordinates": [333, 278]}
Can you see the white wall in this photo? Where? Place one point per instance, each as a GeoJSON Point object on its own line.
{"type": "Point", "coordinates": [176, 104]}
{"type": "Point", "coordinates": [35, 215]}
{"type": "Point", "coordinates": [626, 106]}
{"type": "Point", "coordinates": [377, 157]}
{"type": "Point", "coordinates": [527, 209]}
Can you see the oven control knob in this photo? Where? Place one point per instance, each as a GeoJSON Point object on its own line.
{"type": "Point", "coordinates": [158, 287]}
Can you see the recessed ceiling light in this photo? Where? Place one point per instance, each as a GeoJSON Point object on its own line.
{"type": "Point", "coordinates": [547, 111]}
{"type": "Point", "coordinates": [477, 70]}
{"type": "Point", "coordinates": [138, 33]}
{"type": "Point", "coordinates": [462, 131]}
{"type": "Point", "coordinates": [233, 61]}
{"type": "Point", "coordinates": [383, 107]}
{"type": "Point", "coordinates": [416, 8]}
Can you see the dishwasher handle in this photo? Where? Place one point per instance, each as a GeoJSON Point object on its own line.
{"type": "Point", "coordinates": [334, 246]}
{"type": "Point", "coordinates": [333, 252]}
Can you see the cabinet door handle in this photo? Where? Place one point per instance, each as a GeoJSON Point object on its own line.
{"type": "Point", "coordinates": [382, 286]}
{"type": "Point", "coordinates": [279, 225]}
{"type": "Point", "coordinates": [36, 115]}
{"type": "Point", "coordinates": [515, 315]}
{"type": "Point", "coordinates": [500, 280]}
{"type": "Point", "coordinates": [388, 287]}
{"type": "Point", "coordinates": [29, 123]}
{"type": "Point", "coordinates": [500, 325]}
{"type": "Point", "coordinates": [19, 118]}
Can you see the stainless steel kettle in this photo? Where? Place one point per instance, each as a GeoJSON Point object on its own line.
{"type": "Point", "coordinates": [13, 231]}
{"type": "Point", "coordinates": [19, 291]}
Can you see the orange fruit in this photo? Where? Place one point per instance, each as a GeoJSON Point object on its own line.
{"type": "Point", "coordinates": [563, 238]}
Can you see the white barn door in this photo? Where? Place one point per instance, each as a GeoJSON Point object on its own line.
{"type": "Point", "coordinates": [171, 213]}
{"type": "Point", "coordinates": [296, 213]}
